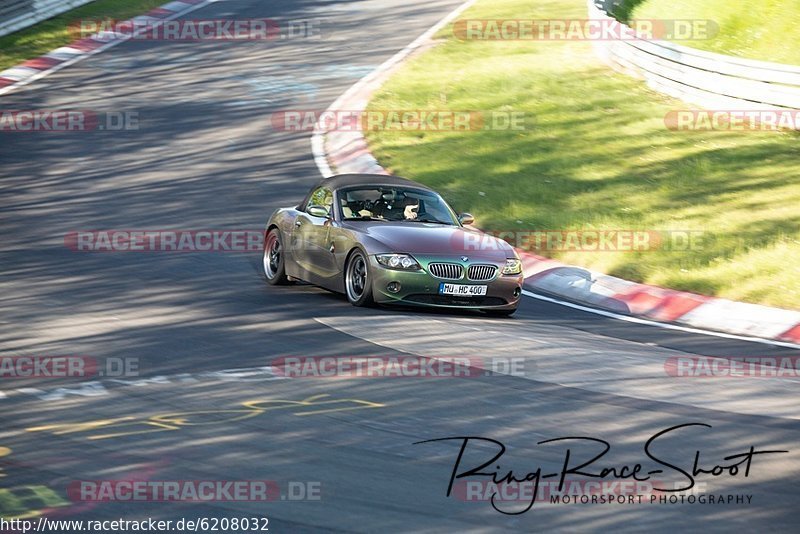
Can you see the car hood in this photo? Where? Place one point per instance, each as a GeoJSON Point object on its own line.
{"type": "Point", "coordinates": [435, 239]}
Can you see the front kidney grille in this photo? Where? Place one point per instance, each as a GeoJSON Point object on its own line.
{"type": "Point", "coordinates": [446, 271]}
{"type": "Point", "coordinates": [481, 273]}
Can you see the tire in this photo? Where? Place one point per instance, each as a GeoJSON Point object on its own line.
{"type": "Point", "coordinates": [273, 261]}
{"type": "Point", "coordinates": [357, 280]}
{"type": "Point", "coordinates": [500, 313]}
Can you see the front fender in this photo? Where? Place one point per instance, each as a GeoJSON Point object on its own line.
{"type": "Point", "coordinates": [348, 239]}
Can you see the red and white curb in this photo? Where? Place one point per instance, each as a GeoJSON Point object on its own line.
{"type": "Point", "coordinates": [615, 297]}
{"type": "Point", "coordinates": [35, 69]}
{"type": "Point", "coordinates": [546, 279]}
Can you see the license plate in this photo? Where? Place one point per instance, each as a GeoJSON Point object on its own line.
{"type": "Point", "coordinates": [461, 290]}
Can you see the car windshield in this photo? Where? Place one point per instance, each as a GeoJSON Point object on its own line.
{"type": "Point", "coordinates": [394, 204]}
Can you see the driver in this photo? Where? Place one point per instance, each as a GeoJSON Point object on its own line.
{"type": "Point", "coordinates": [411, 209]}
{"type": "Point", "coordinates": [400, 207]}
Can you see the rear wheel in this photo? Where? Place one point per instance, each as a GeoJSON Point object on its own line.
{"type": "Point", "coordinates": [274, 262]}
{"type": "Point", "coordinates": [357, 281]}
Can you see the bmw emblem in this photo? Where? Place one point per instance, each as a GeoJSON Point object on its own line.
{"type": "Point", "coordinates": [464, 258]}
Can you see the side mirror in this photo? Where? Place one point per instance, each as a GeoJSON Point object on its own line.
{"type": "Point", "coordinates": [466, 218]}
{"type": "Point", "coordinates": [318, 211]}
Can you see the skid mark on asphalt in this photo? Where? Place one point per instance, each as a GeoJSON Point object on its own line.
{"type": "Point", "coordinates": [619, 368]}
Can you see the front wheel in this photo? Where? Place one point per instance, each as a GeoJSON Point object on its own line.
{"type": "Point", "coordinates": [274, 261]}
{"type": "Point", "coordinates": [357, 281]}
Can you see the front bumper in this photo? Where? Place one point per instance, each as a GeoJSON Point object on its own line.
{"type": "Point", "coordinates": [419, 288]}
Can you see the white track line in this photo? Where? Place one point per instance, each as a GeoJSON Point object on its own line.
{"type": "Point", "coordinates": [668, 326]}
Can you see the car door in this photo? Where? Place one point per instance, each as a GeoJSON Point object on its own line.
{"type": "Point", "coordinates": [312, 235]}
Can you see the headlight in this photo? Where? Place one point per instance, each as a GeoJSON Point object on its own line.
{"type": "Point", "coordinates": [401, 262]}
{"type": "Point", "coordinates": [513, 266]}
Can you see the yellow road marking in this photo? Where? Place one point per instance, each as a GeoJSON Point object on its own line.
{"type": "Point", "coordinates": [4, 451]}
{"type": "Point", "coordinates": [175, 421]}
{"type": "Point", "coordinates": [68, 428]}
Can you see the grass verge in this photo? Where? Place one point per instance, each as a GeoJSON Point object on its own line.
{"type": "Point", "coordinates": [767, 30]}
{"type": "Point", "coordinates": [52, 33]}
{"type": "Point", "coordinates": [596, 154]}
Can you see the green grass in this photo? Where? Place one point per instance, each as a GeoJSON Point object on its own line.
{"type": "Point", "coordinates": [597, 155]}
{"type": "Point", "coordinates": [52, 33]}
{"type": "Point", "coordinates": [768, 30]}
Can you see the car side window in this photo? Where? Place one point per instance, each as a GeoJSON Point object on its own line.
{"type": "Point", "coordinates": [321, 196]}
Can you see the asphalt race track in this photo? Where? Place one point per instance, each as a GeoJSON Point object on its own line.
{"type": "Point", "coordinates": [205, 156]}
